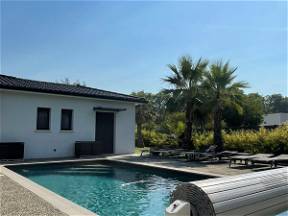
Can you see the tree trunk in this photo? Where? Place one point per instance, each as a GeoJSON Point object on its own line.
{"type": "Point", "coordinates": [218, 139]}
{"type": "Point", "coordinates": [188, 143]}
{"type": "Point", "coordinates": [140, 142]}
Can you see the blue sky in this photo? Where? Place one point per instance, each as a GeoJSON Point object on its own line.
{"type": "Point", "coordinates": [126, 46]}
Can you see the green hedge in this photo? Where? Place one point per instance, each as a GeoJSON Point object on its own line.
{"type": "Point", "coordinates": [264, 140]}
{"type": "Point", "coordinates": [157, 139]}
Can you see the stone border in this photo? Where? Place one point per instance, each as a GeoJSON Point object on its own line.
{"type": "Point", "coordinates": [66, 206]}
{"type": "Point", "coordinates": [180, 170]}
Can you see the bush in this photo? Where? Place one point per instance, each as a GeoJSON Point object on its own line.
{"type": "Point", "coordinates": [157, 139]}
{"type": "Point", "coordinates": [264, 140]}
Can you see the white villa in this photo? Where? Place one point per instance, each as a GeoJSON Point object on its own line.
{"type": "Point", "coordinates": [50, 117]}
{"type": "Point", "coordinates": [275, 119]}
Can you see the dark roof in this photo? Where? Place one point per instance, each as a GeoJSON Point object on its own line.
{"type": "Point", "coordinates": [9, 82]}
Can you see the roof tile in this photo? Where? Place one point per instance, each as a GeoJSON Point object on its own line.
{"type": "Point", "coordinates": [9, 82]}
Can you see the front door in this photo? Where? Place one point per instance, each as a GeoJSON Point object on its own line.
{"type": "Point", "coordinates": [105, 132]}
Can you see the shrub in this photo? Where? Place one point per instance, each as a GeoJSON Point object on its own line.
{"type": "Point", "coordinates": [264, 140]}
{"type": "Point", "coordinates": [157, 139]}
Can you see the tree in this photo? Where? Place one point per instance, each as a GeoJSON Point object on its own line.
{"type": "Point", "coordinates": [222, 90]}
{"type": "Point", "coordinates": [276, 103]}
{"type": "Point", "coordinates": [145, 114]}
{"type": "Point", "coordinates": [253, 110]}
{"type": "Point", "coordinates": [251, 114]}
{"type": "Point", "coordinates": [68, 82]}
{"type": "Point", "coordinates": [186, 81]}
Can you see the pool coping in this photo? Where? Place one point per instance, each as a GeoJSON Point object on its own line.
{"type": "Point", "coordinates": [180, 170]}
{"type": "Point", "coordinates": [64, 205]}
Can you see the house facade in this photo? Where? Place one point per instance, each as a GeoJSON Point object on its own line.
{"type": "Point", "coordinates": [49, 117]}
{"type": "Point", "coordinates": [275, 119]}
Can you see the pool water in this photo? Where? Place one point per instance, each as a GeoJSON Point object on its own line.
{"type": "Point", "coordinates": [109, 189]}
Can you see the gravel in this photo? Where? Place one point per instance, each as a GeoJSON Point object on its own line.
{"type": "Point", "coordinates": [15, 200]}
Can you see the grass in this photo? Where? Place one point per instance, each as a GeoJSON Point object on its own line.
{"type": "Point", "coordinates": [138, 150]}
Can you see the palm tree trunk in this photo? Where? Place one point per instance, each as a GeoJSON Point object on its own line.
{"type": "Point", "coordinates": [140, 142]}
{"type": "Point", "coordinates": [218, 139]}
{"type": "Point", "coordinates": [188, 143]}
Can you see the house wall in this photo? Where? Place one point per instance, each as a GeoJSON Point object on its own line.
{"type": "Point", "coordinates": [273, 119]}
{"type": "Point", "coordinates": [284, 118]}
{"type": "Point", "coordinates": [19, 114]}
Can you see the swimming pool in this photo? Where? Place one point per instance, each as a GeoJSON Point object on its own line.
{"type": "Point", "coordinates": [108, 188]}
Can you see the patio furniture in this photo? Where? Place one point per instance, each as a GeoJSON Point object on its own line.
{"type": "Point", "coordinates": [260, 193]}
{"type": "Point", "coordinates": [163, 152]}
{"type": "Point", "coordinates": [246, 158]}
{"type": "Point", "coordinates": [166, 152]}
{"type": "Point", "coordinates": [273, 161]}
{"type": "Point", "coordinates": [143, 151]}
{"type": "Point", "coordinates": [209, 153]}
{"type": "Point", "coordinates": [227, 154]}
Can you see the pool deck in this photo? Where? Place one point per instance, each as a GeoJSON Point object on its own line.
{"type": "Point", "coordinates": [20, 199]}
{"type": "Point", "coordinates": [213, 168]}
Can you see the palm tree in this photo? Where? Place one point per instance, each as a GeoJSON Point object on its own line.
{"type": "Point", "coordinates": [222, 91]}
{"type": "Point", "coordinates": [145, 113]}
{"type": "Point", "coordinates": [186, 81]}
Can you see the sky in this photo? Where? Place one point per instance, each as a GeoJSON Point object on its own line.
{"type": "Point", "coordinates": [126, 46]}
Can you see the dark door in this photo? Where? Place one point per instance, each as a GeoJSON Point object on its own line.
{"type": "Point", "coordinates": [105, 132]}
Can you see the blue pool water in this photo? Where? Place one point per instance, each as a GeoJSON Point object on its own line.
{"type": "Point", "coordinates": [109, 189]}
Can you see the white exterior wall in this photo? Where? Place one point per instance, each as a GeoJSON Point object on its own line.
{"type": "Point", "coordinates": [19, 115]}
{"type": "Point", "coordinates": [284, 118]}
{"type": "Point", "coordinates": [275, 119]}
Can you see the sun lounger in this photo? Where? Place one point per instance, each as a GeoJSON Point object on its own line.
{"type": "Point", "coordinates": [226, 154]}
{"type": "Point", "coordinates": [246, 158]}
{"type": "Point", "coordinates": [165, 152]}
{"type": "Point", "coordinates": [209, 153]}
{"type": "Point", "coordinates": [280, 158]}
{"type": "Point", "coordinates": [273, 161]}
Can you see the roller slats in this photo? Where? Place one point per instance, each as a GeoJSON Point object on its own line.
{"type": "Point", "coordinates": [224, 180]}
{"type": "Point", "coordinates": [240, 192]}
{"type": "Point", "coordinates": [239, 184]}
{"type": "Point", "coordinates": [271, 210]}
{"type": "Point", "coordinates": [253, 209]}
{"type": "Point", "coordinates": [261, 193]}
{"type": "Point", "coordinates": [255, 198]}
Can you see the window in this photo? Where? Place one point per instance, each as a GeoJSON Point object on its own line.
{"type": "Point", "coordinates": [43, 118]}
{"type": "Point", "coordinates": [66, 119]}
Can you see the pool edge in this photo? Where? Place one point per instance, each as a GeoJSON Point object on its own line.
{"type": "Point", "coordinates": [180, 170]}
{"type": "Point", "coordinates": [66, 206]}
{"type": "Point", "coordinates": [62, 204]}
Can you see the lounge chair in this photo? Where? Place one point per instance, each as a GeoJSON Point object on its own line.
{"type": "Point", "coordinates": [273, 161]}
{"type": "Point", "coordinates": [246, 158]}
{"type": "Point", "coordinates": [153, 151]}
{"type": "Point", "coordinates": [209, 153]}
{"type": "Point", "coordinates": [227, 154]}
{"type": "Point", "coordinates": [163, 152]}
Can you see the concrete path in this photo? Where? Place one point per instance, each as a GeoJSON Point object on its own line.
{"type": "Point", "coordinates": [16, 200]}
